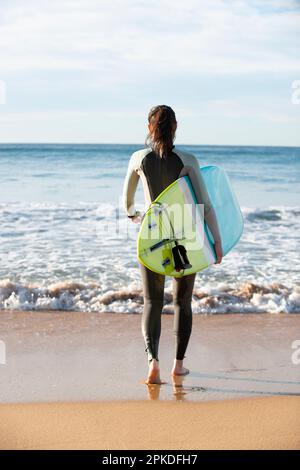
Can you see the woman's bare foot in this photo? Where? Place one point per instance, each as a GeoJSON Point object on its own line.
{"type": "Point", "coordinates": [178, 368]}
{"type": "Point", "coordinates": [153, 374]}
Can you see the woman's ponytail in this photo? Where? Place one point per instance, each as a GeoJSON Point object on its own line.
{"type": "Point", "coordinates": [162, 120]}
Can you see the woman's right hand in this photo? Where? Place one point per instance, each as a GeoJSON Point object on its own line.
{"type": "Point", "coordinates": [218, 250]}
{"type": "Point", "coordinates": [137, 218]}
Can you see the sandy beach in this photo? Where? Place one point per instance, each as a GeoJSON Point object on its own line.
{"type": "Point", "coordinates": [76, 380]}
{"type": "Point", "coordinates": [258, 423]}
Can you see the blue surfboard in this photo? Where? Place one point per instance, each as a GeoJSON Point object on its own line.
{"type": "Point", "coordinates": [226, 206]}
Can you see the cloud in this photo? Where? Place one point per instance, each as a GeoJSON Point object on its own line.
{"type": "Point", "coordinates": [131, 39]}
{"type": "Point", "coordinates": [2, 92]}
{"type": "Point", "coordinates": [54, 116]}
{"type": "Point", "coordinates": [90, 69]}
{"type": "Point", "coordinates": [242, 109]}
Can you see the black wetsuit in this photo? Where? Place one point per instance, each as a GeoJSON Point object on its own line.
{"type": "Point", "coordinates": [157, 173]}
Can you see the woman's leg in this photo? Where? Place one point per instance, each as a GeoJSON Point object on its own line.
{"type": "Point", "coordinates": [153, 291]}
{"type": "Point", "coordinates": [182, 298]}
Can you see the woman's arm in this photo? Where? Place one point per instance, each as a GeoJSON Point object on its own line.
{"type": "Point", "coordinates": [130, 185]}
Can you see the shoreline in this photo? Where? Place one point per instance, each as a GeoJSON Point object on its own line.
{"type": "Point", "coordinates": [164, 313]}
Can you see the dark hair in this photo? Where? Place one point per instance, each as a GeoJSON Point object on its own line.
{"type": "Point", "coordinates": [162, 119]}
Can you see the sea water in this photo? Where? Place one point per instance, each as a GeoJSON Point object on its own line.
{"type": "Point", "coordinates": [66, 243]}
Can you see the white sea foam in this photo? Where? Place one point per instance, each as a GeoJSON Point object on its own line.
{"type": "Point", "coordinates": [242, 298]}
{"type": "Point", "coordinates": [58, 258]}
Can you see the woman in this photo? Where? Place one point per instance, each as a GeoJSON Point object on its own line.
{"type": "Point", "coordinates": [158, 166]}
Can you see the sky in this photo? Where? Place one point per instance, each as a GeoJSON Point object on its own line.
{"type": "Point", "coordinates": [88, 71]}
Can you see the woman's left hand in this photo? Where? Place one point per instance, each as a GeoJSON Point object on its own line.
{"type": "Point", "coordinates": [218, 250]}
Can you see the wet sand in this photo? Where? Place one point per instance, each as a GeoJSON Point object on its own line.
{"type": "Point", "coordinates": [62, 356]}
{"type": "Point", "coordinates": [76, 380]}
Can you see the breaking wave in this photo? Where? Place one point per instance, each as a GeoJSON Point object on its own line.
{"type": "Point", "coordinates": [75, 296]}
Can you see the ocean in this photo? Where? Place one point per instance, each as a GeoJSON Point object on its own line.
{"type": "Point", "coordinates": [66, 243]}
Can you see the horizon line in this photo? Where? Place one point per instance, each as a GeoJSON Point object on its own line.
{"type": "Point", "coordinates": [132, 143]}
